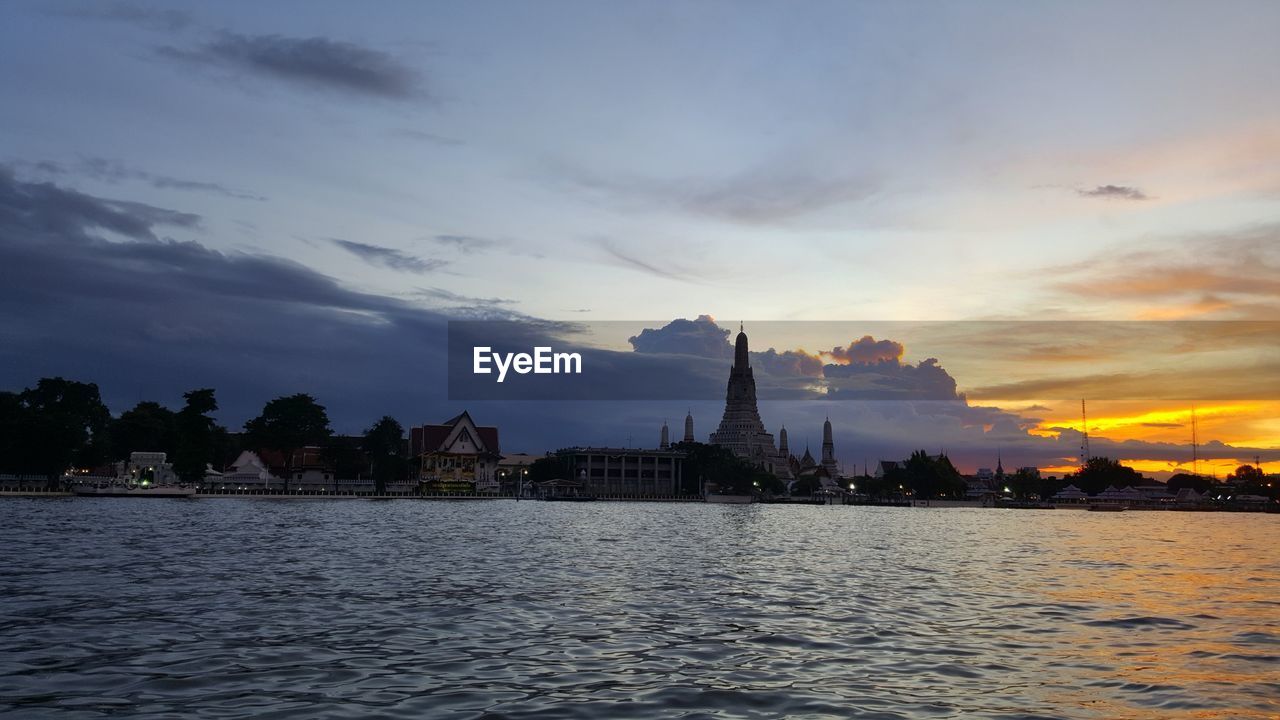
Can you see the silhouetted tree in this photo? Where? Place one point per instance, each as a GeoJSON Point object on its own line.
{"type": "Point", "coordinates": [1245, 474]}
{"type": "Point", "coordinates": [1250, 480]}
{"type": "Point", "coordinates": [288, 424]}
{"type": "Point", "coordinates": [15, 431]}
{"type": "Point", "coordinates": [148, 427]}
{"type": "Point", "coordinates": [1099, 472]}
{"type": "Point", "coordinates": [384, 445]}
{"type": "Point", "coordinates": [66, 424]}
{"type": "Point", "coordinates": [720, 469]}
{"type": "Point", "coordinates": [195, 448]}
{"type": "Point", "coordinates": [1026, 484]}
{"type": "Point", "coordinates": [1199, 483]}
{"type": "Point", "coordinates": [806, 485]}
{"type": "Point", "coordinates": [929, 477]}
{"type": "Point", "coordinates": [551, 467]}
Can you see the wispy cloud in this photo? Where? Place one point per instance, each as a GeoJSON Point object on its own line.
{"type": "Point", "coordinates": [629, 260]}
{"type": "Point", "coordinates": [390, 257]}
{"type": "Point", "coordinates": [166, 19]}
{"type": "Point", "coordinates": [1234, 273]}
{"type": "Point", "coordinates": [453, 297]}
{"type": "Point", "coordinates": [465, 244]}
{"type": "Point", "coordinates": [766, 195]}
{"type": "Point", "coordinates": [113, 171]}
{"type": "Point", "coordinates": [427, 137]}
{"type": "Point", "coordinates": [315, 62]}
{"type": "Point", "coordinates": [1114, 192]}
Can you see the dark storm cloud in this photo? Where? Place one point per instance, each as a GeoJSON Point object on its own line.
{"type": "Point", "coordinates": [145, 315]}
{"type": "Point", "coordinates": [315, 62]}
{"type": "Point", "coordinates": [47, 208]}
{"type": "Point", "coordinates": [90, 291]}
{"type": "Point", "coordinates": [390, 257]}
{"type": "Point", "coordinates": [1114, 192]}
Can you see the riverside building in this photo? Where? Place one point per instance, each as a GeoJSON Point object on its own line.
{"type": "Point", "coordinates": [456, 456]}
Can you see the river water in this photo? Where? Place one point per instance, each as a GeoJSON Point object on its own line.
{"type": "Point", "coordinates": [231, 608]}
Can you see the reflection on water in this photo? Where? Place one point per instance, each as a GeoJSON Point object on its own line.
{"type": "Point", "coordinates": [303, 609]}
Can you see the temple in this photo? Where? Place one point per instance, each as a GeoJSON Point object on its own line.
{"type": "Point", "coordinates": [741, 429]}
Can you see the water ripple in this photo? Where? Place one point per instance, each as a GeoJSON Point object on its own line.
{"type": "Point", "coordinates": [348, 609]}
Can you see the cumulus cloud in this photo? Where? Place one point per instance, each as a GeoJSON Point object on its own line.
{"type": "Point", "coordinates": [788, 363]}
{"type": "Point", "coordinates": [866, 369]}
{"type": "Point", "coordinates": [1114, 192]}
{"type": "Point", "coordinates": [890, 380]}
{"type": "Point", "coordinates": [316, 62]}
{"type": "Point", "coordinates": [390, 258]}
{"type": "Point", "coordinates": [867, 350]}
{"type": "Point", "coordinates": [700, 337]}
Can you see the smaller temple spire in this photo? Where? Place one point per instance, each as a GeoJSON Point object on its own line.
{"type": "Point", "coordinates": [688, 427]}
{"type": "Point", "coordinates": [665, 442]}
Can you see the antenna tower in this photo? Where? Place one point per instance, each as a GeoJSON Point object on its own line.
{"type": "Point", "coordinates": [1195, 444]}
{"type": "Point", "coordinates": [1084, 435]}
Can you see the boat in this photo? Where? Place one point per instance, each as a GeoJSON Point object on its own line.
{"type": "Point", "coordinates": [144, 489]}
{"type": "Point", "coordinates": [1098, 507]}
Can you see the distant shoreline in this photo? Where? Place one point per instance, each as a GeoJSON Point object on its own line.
{"type": "Point", "coordinates": [936, 504]}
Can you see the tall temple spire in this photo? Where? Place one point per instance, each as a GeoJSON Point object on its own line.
{"type": "Point", "coordinates": [741, 429]}
{"type": "Point", "coordinates": [665, 442]}
{"type": "Point", "coordinates": [742, 356]}
{"type": "Point", "coordinates": [783, 450]}
{"type": "Point", "coordinates": [829, 450]}
{"type": "Point", "coordinates": [688, 427]}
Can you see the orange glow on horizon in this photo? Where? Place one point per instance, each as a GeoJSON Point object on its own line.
{"type": "Point", "coordinates": [1180, 418]}
{"type": "Point", "coordinates": [1218, 468]}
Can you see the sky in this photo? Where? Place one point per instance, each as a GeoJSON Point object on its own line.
{"type": "Point", "coordinates": [297, 197]}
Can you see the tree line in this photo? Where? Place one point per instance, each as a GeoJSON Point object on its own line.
{"type": "Point", "coordinates": [62, 424]}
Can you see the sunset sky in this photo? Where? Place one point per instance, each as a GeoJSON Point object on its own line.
{"type": "Point", "coordinates": [296, 198]}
